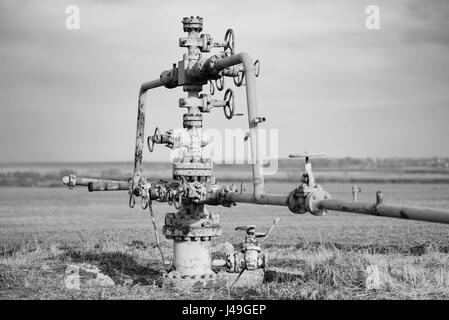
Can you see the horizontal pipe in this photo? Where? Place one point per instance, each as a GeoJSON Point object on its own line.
{"type": "Point", "coordinates": [266, 199]}
{"type": "Point", "coordinates": [96, 184]}
{"type": "Point", "coordinates": [108, 185]}
{"type": "Point", "coordinates": [386, 210]}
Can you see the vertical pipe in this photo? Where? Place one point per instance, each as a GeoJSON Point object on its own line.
{"type": "Point", "coordinates": [248, 69]}
{"type": "Point", "coordinates": [140, 131]}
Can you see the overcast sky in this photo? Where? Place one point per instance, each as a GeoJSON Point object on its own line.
{"type": "Point", "coordinates": [327, 83]}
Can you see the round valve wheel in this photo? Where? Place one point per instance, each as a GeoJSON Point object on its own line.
{"type": "Point", "coordinates": [211, 88]}
{"type": "Point", "coordinates": [219, 83]}
{"type": "Point", "coordinates": [257, 68]}
{"type": "Point", "coordinates": [132, 201]}
{"type": "Point", "coordinates": [144, 203]}
{"type": "Point", "coordinates": [152, 139]}
{"type": "Point", "coordinates": [238, 80]}
{"type": "Point", "coordinates": [229, 39]}
{"type": "Point", "coordinates": [229, 107]}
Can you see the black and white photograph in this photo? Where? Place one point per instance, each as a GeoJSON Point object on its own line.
{"type": "Point", "coordinates": [237, 152]}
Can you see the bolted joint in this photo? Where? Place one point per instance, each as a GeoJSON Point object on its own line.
{"type": "Point", "coordinates": [251, 259]}
{"type": "Point", "coordinates": [296, 201]}
{"type": "Point", "coordinates": [192, 120]}
{"type": "Point", "coordinates": [312, 201]}
{"type": "Point", "coordinates": [192, 24]}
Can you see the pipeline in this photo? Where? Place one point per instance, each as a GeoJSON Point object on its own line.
{"type": "Point", "coordinates": [387, 210]}
{"type": "Point", "coordinates": [168, 79]}
{"type": "Point", "coordinates": [140, 131]}
{"type": "Point", "coordinates": [248, 69]}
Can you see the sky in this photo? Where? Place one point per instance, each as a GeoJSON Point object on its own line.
{"type": "Point", "coordinates": [327, 83]}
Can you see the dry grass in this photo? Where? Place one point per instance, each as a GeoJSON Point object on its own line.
{"type": "Point", "coordinates": [329, 273]}
{"type": "Point", "coordinates": [43, 230]}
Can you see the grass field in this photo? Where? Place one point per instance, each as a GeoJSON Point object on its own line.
{"type": "Point", "coordinates": [44, 229]}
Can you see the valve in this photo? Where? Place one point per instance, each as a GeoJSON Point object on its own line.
{"type": "Point", "coordinates": [355, 192]}
{"type": "Point", "coordinates": [229, 42]}
{"type": "Point", "coordinates": [229, 108]}
{"type": "Point", "coordinates": [251, 256]}
{"type": "Point", "coordinates": [307, 176]}
{"type": "Point", "coordinates": [164, 138]}
{"type": "Point", "coordinates": [239, 78]}
{"type": "Point", "coordinates": [306, 197]}
{"type": "Point", "coordinates": [153, 139]}
{"type": "Point", "coordinates": [219, 83]}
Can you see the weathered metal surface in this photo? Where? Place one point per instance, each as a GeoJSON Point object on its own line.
{"type": "Point", "coordinates": [192, 258]}
{"type": "Point", "coordinates": [95, 184]}
{"type": "Point", "coordinates": [140, 131]}
{"type": "Point", "coordinates": [385, 210]}
{"type": "Point", "coordinates": [265, 199]}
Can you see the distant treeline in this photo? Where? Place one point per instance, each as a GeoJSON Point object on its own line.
{"type": "Point", "coordinates": [434, 170]}
{"type": "Point", "coordinates": [32, 178]}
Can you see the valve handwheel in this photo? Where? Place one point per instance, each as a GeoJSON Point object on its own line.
{"type": "Point", "coordinates": [152, 139]}
{"type": "Point", "coordinates": [219, 83]}
{"type": "Point", "coordinates": [211, 87]}
{"type": "Point", "coordinates": [256, 68]}
{"type": "Point", "coordinates": [229, 39]}
{"type": "Point", "coordinates": [306, 155]}
{"type": "Point", "coordinates": [229, 107]}
{"type": "Point", "coordinates": [238, 79]}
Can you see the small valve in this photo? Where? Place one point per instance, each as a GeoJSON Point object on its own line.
{"type": "Point", "coordinates": [165, 138]}
{"type": "Point", "coordinates": [307, 176]}
{"type": "Point", "coordinates": [355, 192]}
{"type": "Point", "coordinates": [155, 138]}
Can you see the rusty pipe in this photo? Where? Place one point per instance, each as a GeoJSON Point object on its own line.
{"type": "Point", "coordinates": [248, 69]}
{"type": "Point", "coordinates": [169, 79]}
{"type": "Point", "coordinates": [108, 185]}
{"type": "Point", "coordinates": [387, 210]}
{"type": "Point", "coordinates": [140, 130]}
{"type": "Point", "coordinates": [264, 199]}
{"type": "Point", "coordinates": [94, 184]}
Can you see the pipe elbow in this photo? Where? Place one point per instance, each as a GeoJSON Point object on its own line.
{"type": "Point", "coordinates": [246, 60]}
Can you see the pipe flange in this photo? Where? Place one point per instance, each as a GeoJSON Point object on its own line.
{"type": "Point", "coordinates": [192, 24]}
{"type": "Point", "coordinates": [296, 201]}
{"type": "Point", "coordinates": [312, 200]}
{"type": "Point", "coordinates": [192, 120]}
